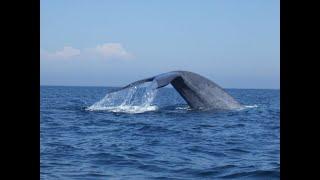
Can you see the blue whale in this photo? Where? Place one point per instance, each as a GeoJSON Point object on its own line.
{"type": "Point", "coordinates": [198, 91]}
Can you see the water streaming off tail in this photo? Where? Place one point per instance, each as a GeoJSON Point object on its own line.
{"type": "Point", "coordinates": [136, 99]}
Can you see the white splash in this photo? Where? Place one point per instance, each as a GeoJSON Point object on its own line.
{"type": "Point", "coordinates": [246, 107]}
{"type": "Point", "coordinates": [251, 106]}
{"type": "Point", "coordinates": [183, 108]}
{"type": "Point", "coordinates": [136, 99]}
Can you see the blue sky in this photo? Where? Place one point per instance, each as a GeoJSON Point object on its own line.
{"type": "Point", "coordinates": [114, 42]}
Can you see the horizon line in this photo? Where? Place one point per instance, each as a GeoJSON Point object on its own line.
{"type": "Point", "coordinates": [164, 87]}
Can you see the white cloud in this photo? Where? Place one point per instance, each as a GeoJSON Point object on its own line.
{"type": "Point", "coordinates": [105, 51]}
{"type": "Point", "coordinates": [65, 53]}
{"type": "Point", "coordinates": [111, 51]}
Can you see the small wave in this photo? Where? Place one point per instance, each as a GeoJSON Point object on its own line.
{"type": "Point", "coordinates": [258, 174]}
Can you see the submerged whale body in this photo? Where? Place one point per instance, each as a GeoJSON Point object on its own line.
{"type": "Point", "coordinates": [198, 91]}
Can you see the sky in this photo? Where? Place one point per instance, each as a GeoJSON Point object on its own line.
{"type": "Point", "coordinates": [115, 42]}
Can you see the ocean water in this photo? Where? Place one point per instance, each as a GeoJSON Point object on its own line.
{"type": "Point", "coordinates": [146, 134]}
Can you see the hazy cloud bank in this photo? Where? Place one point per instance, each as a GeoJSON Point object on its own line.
{"type": "Point", "coordinates": [104, 51]}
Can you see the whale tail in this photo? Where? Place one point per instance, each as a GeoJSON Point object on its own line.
{"type": "Point", "coordinates": [198, 91]}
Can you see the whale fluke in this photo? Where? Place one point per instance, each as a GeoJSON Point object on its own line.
{"type": "Point", "coordinates": [198, 91]}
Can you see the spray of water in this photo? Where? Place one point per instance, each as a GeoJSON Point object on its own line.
{"type": "Point", "coordinates": [136, 99]}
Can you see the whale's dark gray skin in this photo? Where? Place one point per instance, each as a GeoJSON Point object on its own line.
{"type": "Point", "coordinates": [198, 91]}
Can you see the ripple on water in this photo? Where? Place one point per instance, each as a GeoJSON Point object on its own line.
{"type": "Point", "coordinates": [172, 142]}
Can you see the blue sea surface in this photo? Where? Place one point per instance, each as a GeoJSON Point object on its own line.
{"type": "Point", "coordinates": [170, 142]}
